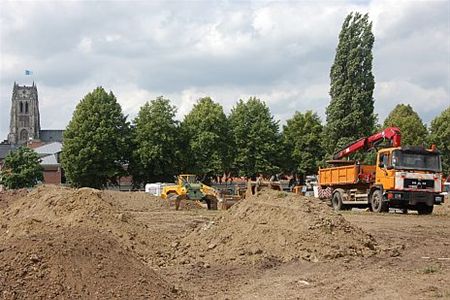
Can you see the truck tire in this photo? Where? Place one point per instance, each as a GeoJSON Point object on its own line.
{"type": "Point", "coordinates": [336, 201]}
{"type": "Point", "coordinates": [376, 202]}
{"type": "Point", "coordinates": [425, 209]}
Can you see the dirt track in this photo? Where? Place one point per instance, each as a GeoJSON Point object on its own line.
{"type": "Point", "coordinates": [90, 244]}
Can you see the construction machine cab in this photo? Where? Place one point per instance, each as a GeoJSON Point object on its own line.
{"type": "Point", "coordinates": [192, 186]}
{"type": "Point", "coordinates": [184, 179]}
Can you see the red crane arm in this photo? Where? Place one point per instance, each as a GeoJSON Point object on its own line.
{"type": "Point", "coordinates": [391, 133]}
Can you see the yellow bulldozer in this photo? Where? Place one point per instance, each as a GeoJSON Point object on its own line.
{"type": "Point", "coordinates": [187, 187]}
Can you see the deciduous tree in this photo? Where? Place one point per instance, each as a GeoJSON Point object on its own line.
{"type": "Point", "coordinates": [440, 136]}
{"type": "Point", "coordinates": [96, 141]}
{"type": "Point", "coordinates": [414, 132]}
{"type": "Point", "coordinates": [156, 143]}
{"type": "Point", "coordinates": [21, 169]}
{"type": "Point", "coordinates": [206, 132]}
{"type": "Point", "coordinates": [302, 141]}
{"type": "Point", "coordinates": [256, 138]}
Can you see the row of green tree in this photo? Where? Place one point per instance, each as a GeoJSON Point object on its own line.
{"type": "Point", "coordinates": [99, 141]}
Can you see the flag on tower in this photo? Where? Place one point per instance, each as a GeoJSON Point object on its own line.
{"type": "Point", "coordinates": [28, 72]}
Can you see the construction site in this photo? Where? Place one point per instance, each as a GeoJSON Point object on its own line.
{"type": "Point", "coordinates": [359, 231]}
{"type": "Point", "coordinates": [84, 243]}
{"type": "Point", "coordinates": [288, 186]}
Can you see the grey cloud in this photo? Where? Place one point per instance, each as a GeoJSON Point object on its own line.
{"type": "Point", "coordinates": [278, 51]}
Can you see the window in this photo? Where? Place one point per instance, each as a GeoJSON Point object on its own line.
{"type": "Point", "coordinates": [404, 160]}
{"type": "Point", "coordinates": [26, 107]}
{"type": "Point", "coordinates": [384, 159]}
{"type": "Point", "coordinates": [20, 107]}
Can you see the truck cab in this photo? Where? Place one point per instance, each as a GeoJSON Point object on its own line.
{"type": "Point", "coordinates": [409, 178]}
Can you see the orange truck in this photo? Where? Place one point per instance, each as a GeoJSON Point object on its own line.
{"type": "Point", "coordinates": [403, 177]}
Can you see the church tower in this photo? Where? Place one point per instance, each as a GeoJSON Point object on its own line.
{"type": "Point", "coordinates": [25, 119]}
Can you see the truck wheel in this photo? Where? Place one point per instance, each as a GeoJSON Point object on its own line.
{"type": "Point", "coordinates": [425, 209]}
{"type": "Point", "coordinates": [336, 201]}
{"type": "Point", "coordinates": [377, 204]}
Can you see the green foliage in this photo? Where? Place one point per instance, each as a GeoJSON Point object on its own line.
{"type": "Point", "coordinates": [255, 138]}
{"type": "Point", "coordinates": [206, 133]}
{"type": "Point", "coordinates": [156, 141]}
{"type": "Point", "coordinates": [96, 141]}
{"type": "Point", "coordinates": [350, 114]}
{"type": "Point", "coordinates": [440, 136]}
{"type": "Point", "coordinates": [414, 132]}
{"type": "Point", "coordinates": [21, 169]}
{"type": "Point", "coordinates": [302, 141]}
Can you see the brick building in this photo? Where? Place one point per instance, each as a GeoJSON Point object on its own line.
{"type": "Point", "coordinates": [50, 161]}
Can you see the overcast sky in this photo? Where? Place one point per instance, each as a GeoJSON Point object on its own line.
{"type": "Point", "coordinates": [280, 52]}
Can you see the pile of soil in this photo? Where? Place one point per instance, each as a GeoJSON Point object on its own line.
{"type": "Point", "coordinates": [275, 227]}
{"type": "Point", "coordinates": [58, 207]}
{"type": "Point", "coordinates": [82, 243]}
{"type": "Point", "coordinates": [8, 196]}
{"type": "Point", "coordinates": [135, 201]}
{"type": "Point", "coordinates": [76, 264]}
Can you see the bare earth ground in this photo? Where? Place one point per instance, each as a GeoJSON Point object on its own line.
{"type": "Point", "coordinates": [89, 244]}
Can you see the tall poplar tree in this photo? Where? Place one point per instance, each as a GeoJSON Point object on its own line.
{"type": "Point", "coordinates": [350, 114]}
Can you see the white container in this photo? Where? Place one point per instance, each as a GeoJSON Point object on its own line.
{"type": "Point", "coordinates": [154, 189]}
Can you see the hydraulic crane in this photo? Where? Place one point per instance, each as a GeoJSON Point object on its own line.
{"type": "Point", "coordinates": [391, 133]}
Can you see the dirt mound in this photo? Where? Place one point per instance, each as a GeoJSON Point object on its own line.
{"type": "Point", "coordinates": [65, 206]}
{"type": "Point", "coordinates": [76, 264]}
{"type": "Point", "coordinates": [81, 243]}
{"type": "Point", "coordinates": [6, 197]}
{"type": "Point", "coordinates": [276, 227]}
{"type": "Point", "coordinates": [136, 201]}
{"type": "Point", "coordinates": [57, 207]}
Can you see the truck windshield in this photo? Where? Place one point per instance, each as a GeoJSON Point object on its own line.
{"type": "Point", "coordinates": [416, 161]}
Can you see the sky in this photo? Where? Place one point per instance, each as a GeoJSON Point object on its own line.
{"type": "Point", "coordinates": [278, 51]}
